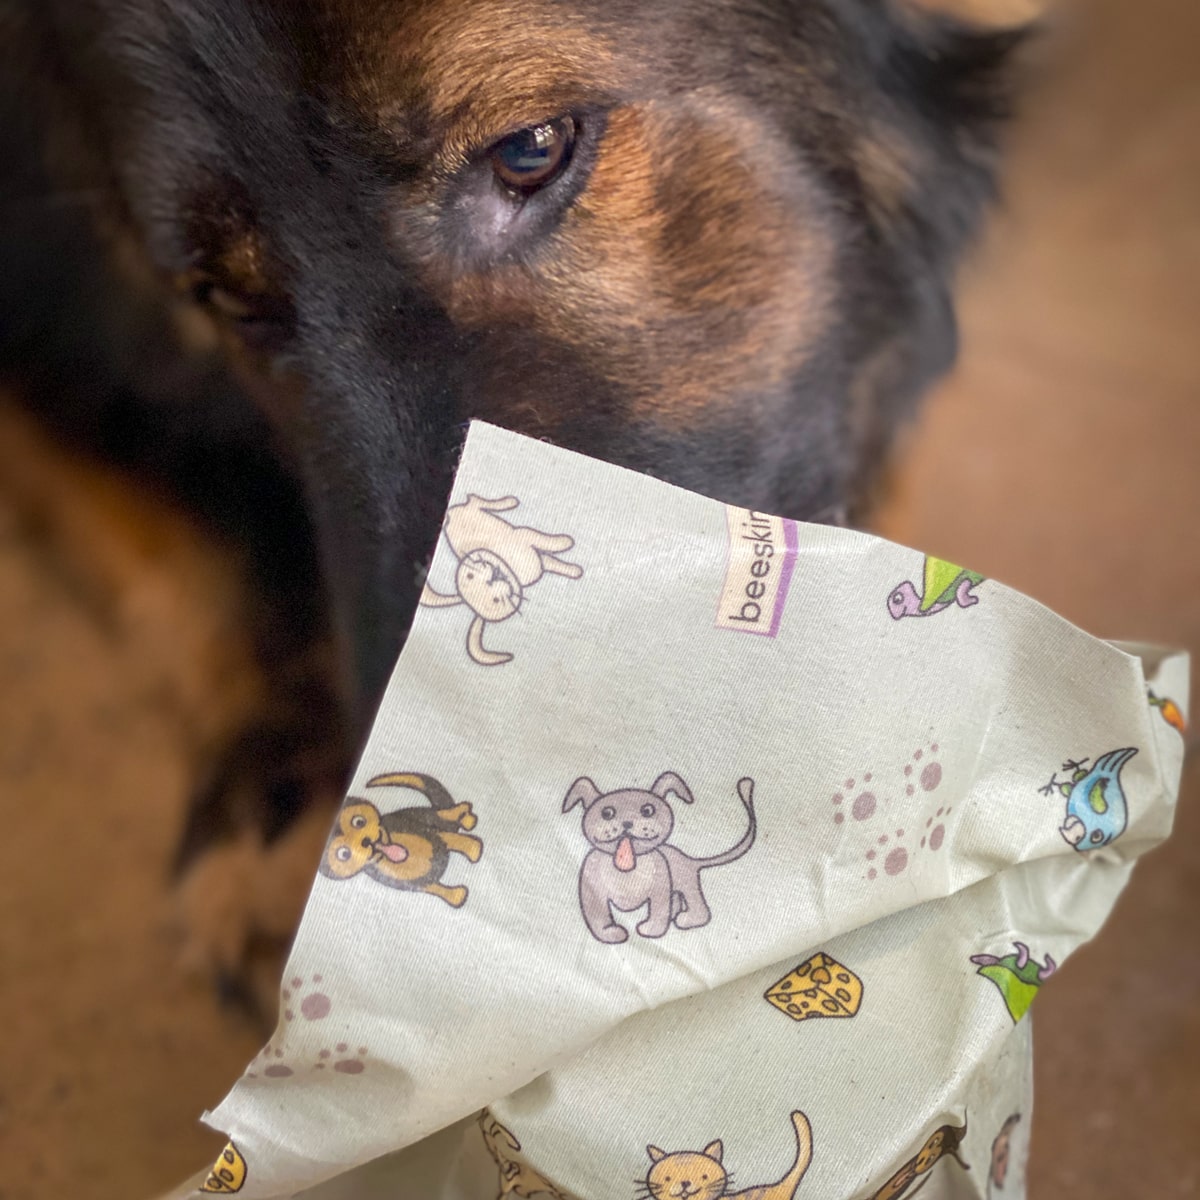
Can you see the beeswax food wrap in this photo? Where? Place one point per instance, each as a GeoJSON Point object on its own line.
{"type": "Point", "coordinates": [698, 854]}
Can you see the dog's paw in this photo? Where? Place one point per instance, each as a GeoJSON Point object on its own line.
{"type": "Point", "coordinates": [249, 851]}
{"type": "Point", "coordinates": [238, 905]}
{"type": "Point", "coordinates": [216, 617]}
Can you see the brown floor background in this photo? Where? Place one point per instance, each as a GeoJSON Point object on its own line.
{"type": "Point", "coordinates": [1062, 458]}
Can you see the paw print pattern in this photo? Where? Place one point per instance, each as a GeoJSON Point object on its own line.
{"type": "Point", "coordinates": [888, 850]}
{"type": "Point", "coordinates": [895, 857]}
{"type": "Point", "coordinates": [313, 1006]}
{"type": "Point", "coordinates": [345, 1066]}
{"type": "Point", "coordinates": [937, 833]}
{"type": "Point", "coordinates": [305, 1002]}
{"type": "Point", "coordinates": [341, 1058]}
{"type": "Point", "coordinates": [862, 807]}
{"type": "Point", "coordinates": [930, 775]}
{"type": "Point", "coordinates": [265, 1063]}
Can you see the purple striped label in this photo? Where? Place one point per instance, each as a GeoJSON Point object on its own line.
{"type": "Point", "coordinates": [758, 571]}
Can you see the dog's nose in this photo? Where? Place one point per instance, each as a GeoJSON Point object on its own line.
{"type": "Point", "coordinates": [367, 842]}
{"type": "Point", "coordinates": [627, 824]}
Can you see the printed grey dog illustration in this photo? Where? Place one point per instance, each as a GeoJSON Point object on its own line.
{"type": "Point", "coordinates": [496, 563]}
{"type": "Point", "coordinates": [631, 863]}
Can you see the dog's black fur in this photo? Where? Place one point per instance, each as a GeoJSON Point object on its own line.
{"type": "Point", "coordinates": [790, 182]}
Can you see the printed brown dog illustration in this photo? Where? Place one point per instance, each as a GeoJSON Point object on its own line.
{"type": "Point", "coordinates": [496, 563]}
{"type": "Point", "coordinates": [631, 862]}
{"type": "Point", "coordinates": [408, 848]}
{"type": "Point", "coordinates": [945, 1140]}
{"type": "Point", "coordinates": [517, 1178]}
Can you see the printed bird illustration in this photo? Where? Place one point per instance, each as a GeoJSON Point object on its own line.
{"type": "Point", "coordinates": [1097, 812]}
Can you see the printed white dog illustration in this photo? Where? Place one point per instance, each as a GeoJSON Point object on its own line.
{"type": "Point", "coordinates": [496, 563]}
{"type": "Point", "coordinates": [632, 863]}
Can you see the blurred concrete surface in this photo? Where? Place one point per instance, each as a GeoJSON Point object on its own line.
{"type": "Point", "coordinates": [1062, 459]}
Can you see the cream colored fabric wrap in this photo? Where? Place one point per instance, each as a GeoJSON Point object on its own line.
{"type": "Point", "coordinates": [948, 786]}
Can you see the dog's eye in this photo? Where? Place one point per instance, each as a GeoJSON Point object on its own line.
{"type": "Point", "coordinates": [608, 812]}
{"type": "Point", "coordinates": [531, 158]}
{"type": "Point", "coordinates": [647, 810]}
{"type": "Point", "coordinates": [342, 854]}
{"type": "Point", "coordinates": [262, 321]}
{"type": "Point", "coordinates": [358, 822]}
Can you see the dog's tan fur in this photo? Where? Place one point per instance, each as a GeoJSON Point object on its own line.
{"type": "Point", "coordinates": [143, 572]}
{"type": "Point", "coordinates": [747, 286]}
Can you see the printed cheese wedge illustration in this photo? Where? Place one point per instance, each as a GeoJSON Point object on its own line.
{"type": "Point", "coordinates": [228, 1173]}
{"type": "Point", "coordinates": [818, 987]}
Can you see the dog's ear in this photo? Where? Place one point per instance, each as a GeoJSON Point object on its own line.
{"type": "Point", "coordinates": [947, 85]}
{"type": "Point", "coordinates": [988, 14]}
{"type": "Point", "coordinates": [583, 789]}
{"type": "Point", "coordinates": [669, 782]}
{"type": "Point", "coordinates": [938, 83]}
{"type": "Point", "coordinates": [964, 70]}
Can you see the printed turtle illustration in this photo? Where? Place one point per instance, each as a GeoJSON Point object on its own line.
{"type": "Point", "coordinates": [1097, 812]}
{"type": "Point", "coordinates": [944, 584]}
{"type": "Point", "coordinates": [1018, 976]}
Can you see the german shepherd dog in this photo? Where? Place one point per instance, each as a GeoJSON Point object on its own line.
{"type": "Point", "coordinates": [269, 257]}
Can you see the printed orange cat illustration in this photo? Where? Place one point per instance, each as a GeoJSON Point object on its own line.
{"type": "Point", "coordinates": [702, 1174]}
{"type": "Point", "coordinates": [517, 1177]}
